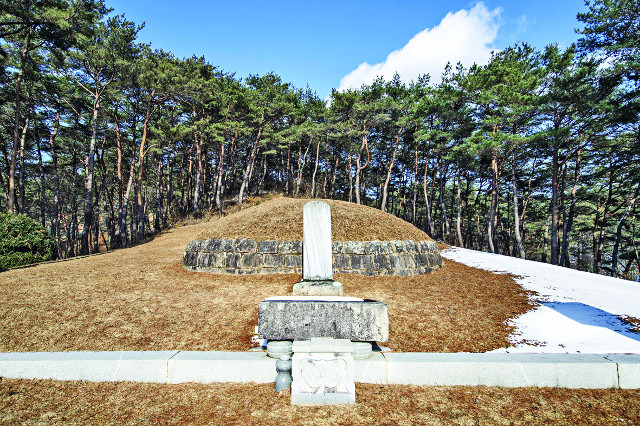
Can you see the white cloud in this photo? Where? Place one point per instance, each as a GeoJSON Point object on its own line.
{"type": "Point", "coordinates": [465, 36]}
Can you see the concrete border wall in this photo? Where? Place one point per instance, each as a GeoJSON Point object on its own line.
{"type": "Point", "coordinates": [245, 256]}
{"type": "Point", "coordinates": [590, 371]}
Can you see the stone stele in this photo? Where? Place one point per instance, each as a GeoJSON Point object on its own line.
{"type": "Point", "coordinates": [317, 256]}
{"type": "Point", "coordinates": [339, 317]}
{"type": "Point", "coordinates": [316, 242]}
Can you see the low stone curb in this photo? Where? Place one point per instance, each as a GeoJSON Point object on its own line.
{"type": "Point", "coordinates": [244, 256]}
{"type": "Point", "coordinates": [431, 369]}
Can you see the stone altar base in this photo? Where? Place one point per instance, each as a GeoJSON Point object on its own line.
{"type": "Point", "coordinates": [339, 317]}
{"type": "Point", "coordinates": [322, 371]}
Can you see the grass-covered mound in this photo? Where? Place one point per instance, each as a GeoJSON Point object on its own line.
{"type": "Point", "coordinates": [281, 219]}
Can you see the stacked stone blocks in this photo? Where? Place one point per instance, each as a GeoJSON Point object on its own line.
{"type": "Point", "coordinates": [244, 256]}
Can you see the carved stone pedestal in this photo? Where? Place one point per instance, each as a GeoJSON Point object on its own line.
{"type": "Point", "coordinates": [322, 372]}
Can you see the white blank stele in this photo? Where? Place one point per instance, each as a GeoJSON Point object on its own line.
{"type": "Point", "coordinates": [317, 262]}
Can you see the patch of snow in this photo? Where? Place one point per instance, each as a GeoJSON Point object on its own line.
{"type": "Point", "coordinates": [578, 311]}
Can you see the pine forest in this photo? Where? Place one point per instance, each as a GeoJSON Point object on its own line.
{"type": "Point", "coordinates": [536, 154]}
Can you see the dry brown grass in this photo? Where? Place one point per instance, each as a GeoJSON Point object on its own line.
{"type": "Point", "coordinates": [633, 322]}
{"type": "Point", "coordinates": [47, 401]}
{"type": "Point", "coordinates": [280, 218]}
{"type": "Point", "coordinates": [143, 299]}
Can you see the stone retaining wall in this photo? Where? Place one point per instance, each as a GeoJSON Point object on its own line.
{"type": "Point", "coordinates": [244, 256]}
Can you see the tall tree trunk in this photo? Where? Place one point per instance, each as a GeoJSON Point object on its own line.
{"type": "Point", "coordinates": [72, 239]}
{"type": "Point", "coordinates": [55, 215]}
{"type": "Point", "coordinates": [141, 219]}
{"type": "Point", "coordinates": [20, 205]}
{"type": "Point", "coordinates": [446, 228]}
{"type": "Point", "coordinates": [301, 163]}
{"type": "Point", "coordinates": [635, 247]}
{"type": "Point", "coordinates": [468, 237]}
{"type": "Point", "coordinates": [334, 177]}
{"type": "Point", "coordinates": [459, 208]}
{"type": "Point", "coordinates": [198, 178]}
{"type": "Point", "coordinates": [604, 220]}
{"type": "Point", "coordinates": [494, 202]}
{"type": "Point", "coordinates": [594, 238]}
{"type": "Point", "coordinates": [263, 175]}
{"type": "Point", "coordinates": [350, 170]}
{"type": "Point", "coordinates": [564, 258]}
{"type": "Point", "coordinates": [118, 240]}
{"type": "Point", "coordinates": [88, 199]}
{"type": "Point", "coordinates": [414, 187]}
{"type": "Point", "coordinates": [220, 178]}
{"type": "Point", "coordinates": [43, 186]}
{"type": "Point", "coordinates": [168, 209]}
{"type": "Point", "coordinates": [315, 168]}
{"type": "Point", "coordinates": [555, 218]}
{"type": "Point", "coordinates": [187, 189]}
{"type": "Point", "coordinates": [101, 190]}
{"type": "Point", "coordinates": [385, 188]}
{"type": "Point", "coordinates": [525, 200]}
{"type": "Point", "coordinates": [516, 213]}
{"type": "Point", "coordinates": [359, 168]}
{"type": "Point", "coordinates": [252, 153]}
{"type": "Point", "coordinates": [124, 210]}
{"type": "Point", "coordinates": [430, 227]}
{"type": "Point", "coordinates": [252, 168]}
{"type": "Point", "coordinates": [616, 245]}
{"type": "Point", "coordinates": [158, 220]}
{"type": "Point", "coordinates": [562, 211]}
{"type": "Point", "coordinates": [11, 196]}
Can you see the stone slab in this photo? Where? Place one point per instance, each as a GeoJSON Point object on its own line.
{"type": "Point", "coordinates": [508, 370]}
{"type": "Point", "coordinates": [137, 366]}
{"type": "Point", "coordinates": [323, 398]}
{"type": "Point", "coordinates": [316, 242]}
{"type": "Point", "coordinates": [628, 369]}
{"type": "Point", "coordinates": [212, 366]}
{"type": "Point", "coordinates": [303, 319]}
{"type": "Point", "coordinates": [371, 370]}
{"type": "Point", "coordinates": [318, 288]}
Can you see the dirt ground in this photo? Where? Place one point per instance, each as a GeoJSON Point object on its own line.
{"type": "Point", "coordinates": [48, 401]}
{"type": "Point", "coordinates": [142, 298]}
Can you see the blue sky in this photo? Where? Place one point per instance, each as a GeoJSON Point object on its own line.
{"type": "Point", "coordinates": [340, 44]}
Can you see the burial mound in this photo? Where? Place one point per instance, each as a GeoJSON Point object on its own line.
{"type": "Point", "coordinates": [267, 238]}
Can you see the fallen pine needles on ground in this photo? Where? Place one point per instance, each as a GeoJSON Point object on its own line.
{"type": "Point", "coordinates": [48, 401]}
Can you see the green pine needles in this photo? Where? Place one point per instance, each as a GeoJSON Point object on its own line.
{"type": "Point", "coordinates": [23, 241]}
